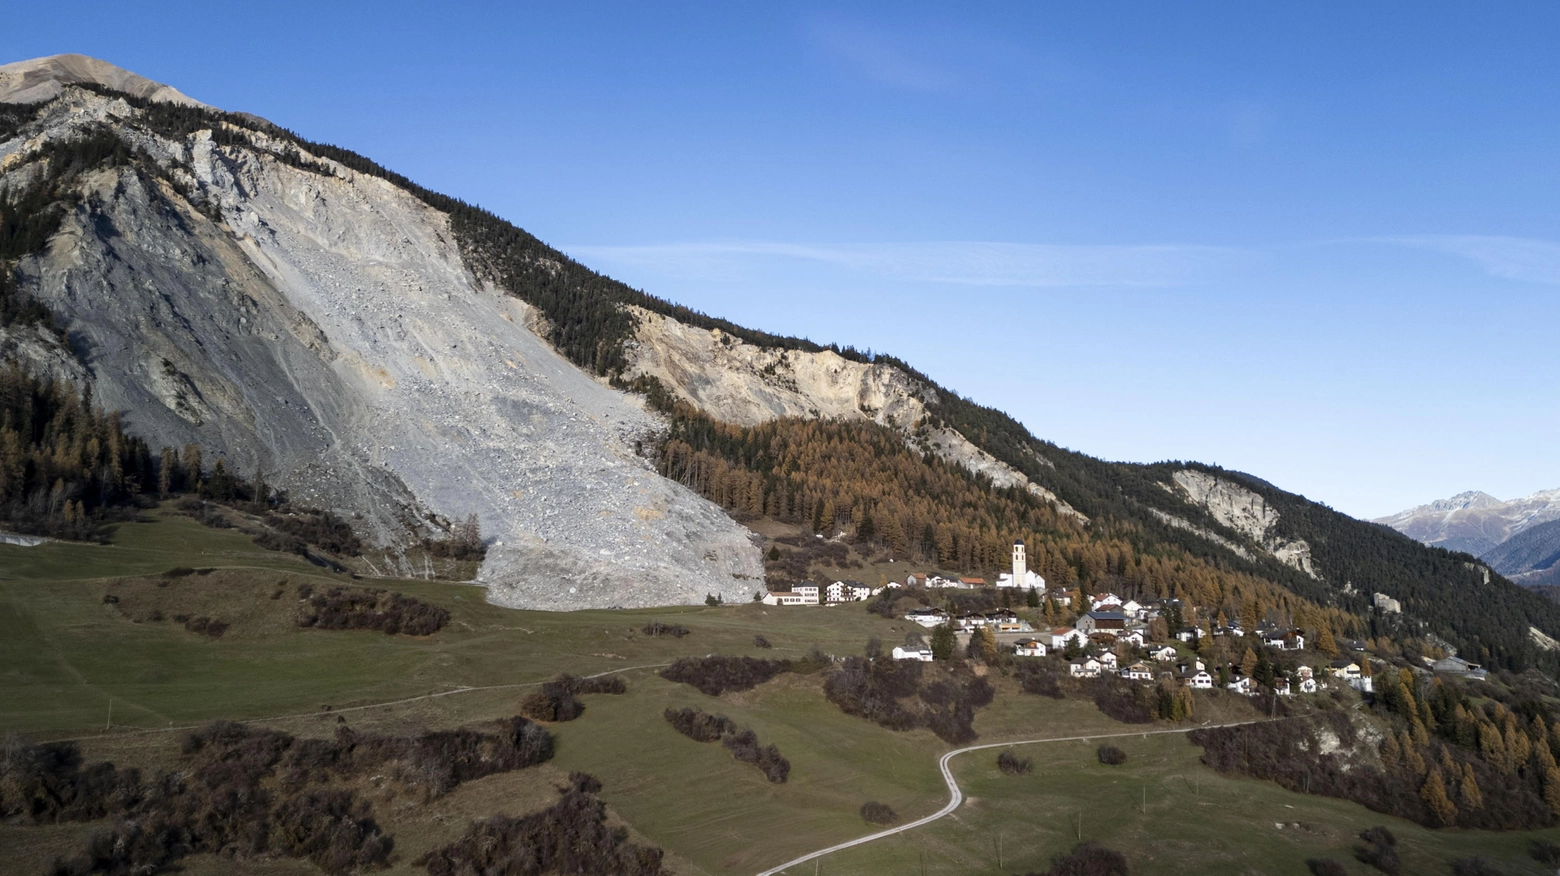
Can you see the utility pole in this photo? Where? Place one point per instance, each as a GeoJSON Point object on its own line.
{"type": "Point", "coordinates": [999, 850]}
{"type": "Point", "coordinates": [110, 721]}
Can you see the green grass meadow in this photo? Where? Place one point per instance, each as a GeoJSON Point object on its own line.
{"type": "Point", "coordinates": [66, 656]}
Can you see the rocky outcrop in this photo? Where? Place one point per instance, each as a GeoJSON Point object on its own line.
{"type": "Point", "coordinates": [42, 79]}
{"type": "Point", "coordinates": [322, 327]}
{"type": "Point", "coordinates": [746, 384]}
{"type": "Point", "coordinates": [1244, 512]}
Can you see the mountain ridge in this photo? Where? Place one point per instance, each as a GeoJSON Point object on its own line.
{"type": "Point", "coordinates": [1475, 521]}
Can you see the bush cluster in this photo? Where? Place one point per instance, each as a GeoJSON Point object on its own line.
{"type": "Point", "coordinates": [556, 700]}
{"type": "Point", "coordinates": [897, 695]}
{"type": "Point", "coordinates": [322, 529]}
{"type": "Point", "coordinates": [701, 726]}
{"type": "Point", "coordinates": [1110, 755]}
{"type": "Point", "coordinates": [1380, 851]}
{"type": "Point", "coordinates": [1088, 859]}
{"type": "Point", "coordinates": [716, 674]}
{"type": "Point", "coordinates": [873, 812]}
{"type": "Point", "coordinates": [571, 836]}
{"type": "Point", "coordinates": [1121, 699]}
{"type": "Point", "coordinates": [205, 626]}
{"type": "Point", "coordinates": [242, 791]}
{"type": "Point", "coordinates": [358, 608]}
{"type": "Point", "coordinates": [1013, 765]}
{"type": "Point", "coordinates": [745, 747]}
{"type": "Point", "coordinates": [656, 628]}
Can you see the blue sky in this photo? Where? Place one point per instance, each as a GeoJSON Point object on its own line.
{"type": "Point", "coordinates": [1317, 243]}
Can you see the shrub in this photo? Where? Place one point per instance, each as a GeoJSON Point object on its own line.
{"type": "Point", "coordinates": [761, 642]}
{"type": "Point", "coordinates": [699, 725]}
{"type": "Point", "coordinates": [1382, 857]}
{"type": "Point", "coordinates": [358, 608]}
{"type": "Point", "coordinates": [1378, 836]}
{"type": "Point", "coordinates": [1545, 852]}
{"type": "Point", "coordinates": [1088, 859]}
{"type": "Point", "coordinates": [206, 626]}
{"type": "Point", "coordinates": [873, 812]}
{"type": "Point", "coordinates": [553, 703]}
{"type": "Point", "coordinates": [1326, 867]}
{"type": "Point", "coordinates": [744, 746]}
{"type": "Point", "coordinates": [656, 628]}
{"type": "Point", "coordinates": [1110, 755]}
{"type": "Point", "coordinates": [1041, 678]}
{"type": "Point", "coordinates": [1474, 867]}
{"type": "Point", "coordinates": [319, 528]}
{"type": "Point", "coordinates": [179, 572]}
{"type": "Point", "coordinates": [1013, 765]}
{"type": "Point", "coordinates": [880, 691]}
{"type": "Point", "coordinates": [600, 684]}
{"type": "Point", "coordinates": [717, 674]}
{"type": "Point", "coordinates": [571, 836]}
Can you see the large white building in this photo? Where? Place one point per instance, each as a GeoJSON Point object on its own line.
{"type": "Point", "coordinates": [1020, 577]}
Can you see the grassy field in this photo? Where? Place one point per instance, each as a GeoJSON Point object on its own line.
{"type": "Point", "coordinates": [65, 654]}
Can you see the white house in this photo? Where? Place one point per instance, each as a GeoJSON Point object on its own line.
{"type": "Point", "coordinates": [1133, 637]}
{"type": "Point", "coordinates": [1284, 640]}
{"type": "Point", "coordinates": [1108, 660]}
{"type": "Point", "coordinates": [1138, 672]}
{"type": "Point", "coordinates": [1164, 653]}
{"type": "Point", "coordinates": [1088, 667]}
{"type": "Point", "coordinates": [807, 590]}
{"type": "Point", "coordinates": [1344, 669]}
{"type": "Point", "coordinates": [1241, 684]}
{"type": "Point", "coordinates": [847, 591]}
{"type": "Point", "coordinates": [1105, 602]}
{"type": "Point", "coordinates": [928, 617]}
{"type": "Point", "coordinates": [1060, 636]}
{"type": "Point", "coordinates": [1029, 648]}
{"type": "Point", "coordinates": [1282, 688]}
{"type": "Point", "coordinates": [1308, 685]}
{"type": "Point", "coordinates": [1131, 608]}
{"type": "Point", "coordinates": [922, 654]}
{"type": "Point", "coordinates": [791, 597]}
{"type": "Point", "coordinates": [1199, 680]}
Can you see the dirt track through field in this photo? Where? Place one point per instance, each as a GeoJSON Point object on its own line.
{"type": "Point", "coordinates": [381, 705]}
{"type": "Point", "coordinates": [956, 796]}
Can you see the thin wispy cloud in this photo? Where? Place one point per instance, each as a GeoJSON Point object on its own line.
{"type": "Point", "coordinates": [884, 57]}
{"type": "Point", "coordinates": [964, 263]}
{"type": "Point", "coordinates": [1512, 258]}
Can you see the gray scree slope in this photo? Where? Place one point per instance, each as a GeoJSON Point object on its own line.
{"type": "Point", "coordinates": [327, 330]}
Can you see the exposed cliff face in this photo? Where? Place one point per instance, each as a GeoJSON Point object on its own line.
{"type": "Point", "coordinates": [323, 327]}
{"type": "Point", "coordinates": [1244, 512]}
{"type": "Point", "coordinates": [742, 383]}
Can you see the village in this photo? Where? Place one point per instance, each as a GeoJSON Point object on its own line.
{"type": "Point", "coordinates": [1147, 642]}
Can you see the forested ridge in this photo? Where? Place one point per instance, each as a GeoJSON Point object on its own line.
{"type": "Point", "coordinates": [586, 320]}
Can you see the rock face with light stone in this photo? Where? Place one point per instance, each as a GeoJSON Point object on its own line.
{"type": "Point", "coordinates": [322, 327]}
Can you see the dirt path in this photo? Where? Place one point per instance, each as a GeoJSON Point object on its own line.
{"type": "Point", "coordinates": [380, 705]}
{"type": "Point", "coordinates": [956, 796]}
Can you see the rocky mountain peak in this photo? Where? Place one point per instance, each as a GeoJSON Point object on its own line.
{"type": "Point", "coordinates": [42, 79]}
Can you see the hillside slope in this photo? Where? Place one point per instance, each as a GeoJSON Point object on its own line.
{"type": "Point", "coordinates": [401, 355]}
{"type": "Point", "coordinates": [321, 325]}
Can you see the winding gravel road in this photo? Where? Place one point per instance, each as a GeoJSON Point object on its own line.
{"type": "Point", "coordinates": [956, 796]}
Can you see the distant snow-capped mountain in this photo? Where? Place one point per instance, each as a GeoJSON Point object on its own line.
{"type": "Point", "coordinates": [1477, 522]}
